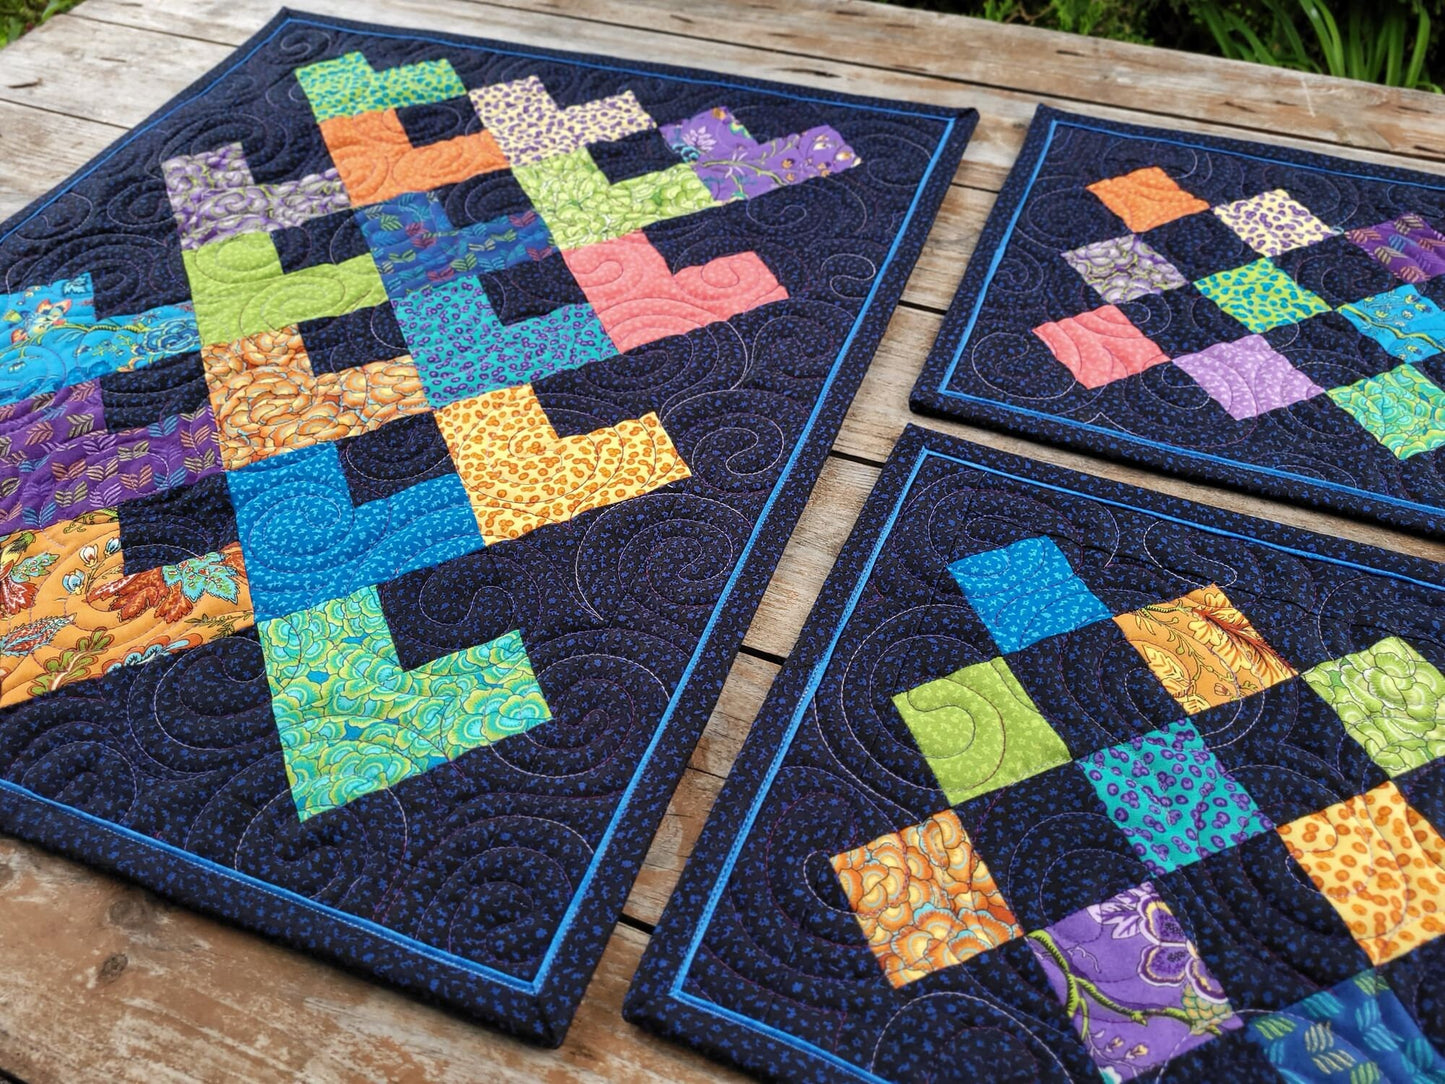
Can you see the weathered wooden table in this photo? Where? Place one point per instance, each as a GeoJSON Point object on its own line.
{"type": "Point", "coordinates": [100, 980]}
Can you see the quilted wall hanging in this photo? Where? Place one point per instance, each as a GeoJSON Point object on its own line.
{"type": "Point", "coordinates": [398, 432]}
{"type": "Point", "coordinates": [1071, 781]}
{"type": "Point", "coordinates": [1243, 313]}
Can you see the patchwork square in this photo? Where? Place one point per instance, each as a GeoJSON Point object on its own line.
{"type": "Point", "coordinates": [1146, 198]}
{"type": "Point", "coordinates": [1026, 591]}
{"type": "Point", "coordinates": [1169, 794]}
{"type": "Point", "coordinates": [1405, 322]}
{"type": "Point", "coordinates": [1402, 409]}
{"type": "Point", "coordinates": [1390, 699]}
{"type": "Point", "coordinates": [1261, 296]}
{"type": "Point", "coordinates": [1248, 377]}
{"type": "Point", "coordinates": [1133, 984]}
{"type": "Point", "coordinates": [979, 730]}
{"type": "Point", "coordinates": [1273, 222]}
{"type": "Point", "coordinates": [1381, 864]}
{"type": "Point", "coordinates": [1203, 650]}
{"type": "Point", "coordinates": [1355, 1031]}
{"type": "Point", "coordinates": [1123, 268]}
{"type": "Point", "coordinates": [1409, 246]}
{"type": "Point", "coordinates": [924, 898]}
{"type": "Point", "coordinates": [1100, 347]}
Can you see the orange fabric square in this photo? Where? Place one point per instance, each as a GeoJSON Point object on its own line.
{"type": "Point", "coordinates": [1381, 864]}
{"type": "Point", "coordinates": [1203, 651]}
{"type": "Point", "coordinates": [1146, 198]}
{"type": "Point", "coordinates": [376, 160]}
{"type": "Point", "coordinates": [69, 611]}
{"type": "Point", "coordinates": [267, 400]}
{"type": "Point", "coordinates": [1101, 346]}
{"type": "Point", "coordinates": [924, 898]}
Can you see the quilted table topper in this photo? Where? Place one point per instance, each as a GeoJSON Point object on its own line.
{"type": "Point", "coordinates": [1244, 313]}
{"type": "Point", "coordinates": [1071, 781]}
{"type": "Point", "coordinates": [396, 434]}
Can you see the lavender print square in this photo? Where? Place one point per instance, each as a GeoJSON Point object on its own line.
{"type": "Point", "coordinates": [1248, 377]}
{"type": "Point", "coordinates": [1133, 984]}
{"type": "Point", "coordinates": [1171, 797]}
{"type": "Point", "coordinates": [1123, 268]}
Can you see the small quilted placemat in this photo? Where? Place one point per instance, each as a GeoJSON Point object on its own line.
{"type": "Point", "coordinates": [397, 431]}
{"type": "Point", "coordinates": [1249, 314]}
{"type": "Point", "coordinates": [1070, 781]}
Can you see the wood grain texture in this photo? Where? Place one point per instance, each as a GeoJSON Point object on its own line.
{"type": "Point", "coordinates": [100, 980]}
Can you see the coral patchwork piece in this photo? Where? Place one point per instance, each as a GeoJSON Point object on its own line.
{"type": "Point", "coordinates": [1381, 864]}
{"type": "Point", "coordinates": [1203, 650]}
{"type": "Point", "coordinates": [639, 300]}
{"type": "Point", "coordinates": [1100, 347]}
{"type": "Point", "coordinates": [1132, 983]}
{"type": "Point", "coordinates": [520, 475]}
{"type": "Point", "coordinates": [924, 899]}
{"type": "Point", "coordinates": [396, 435]}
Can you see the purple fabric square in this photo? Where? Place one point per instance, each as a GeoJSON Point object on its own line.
{"type": "Point", "coordinates": [1123, 268]}
{"type": "Point", "coordinates": [1248, 377]}
{"type": "Point", "coordinates": [1138, 992]}
{"type": "Point", "coordinates": [1408, 246]}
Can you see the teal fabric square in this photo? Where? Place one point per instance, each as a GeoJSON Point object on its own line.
{"type": "Point", "coordinates": [1404, 321]}
{"type": "Point", "coordinates": [1172, 798]}
{"type": "Point", "coordinates": [1026, 591]}
{"type": "Point", "coordinates": [1261, 296]}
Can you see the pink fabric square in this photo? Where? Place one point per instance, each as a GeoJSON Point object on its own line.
{"type": "Point", "coordinates": [1100, 346]}
{"type": "Point", "coordinates": [1248, 377]}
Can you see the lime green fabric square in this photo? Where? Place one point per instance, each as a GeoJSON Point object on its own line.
{"type": "Point", "coordinates": [1401, 409]}
{"type": "Point", "coordinates": [1390, 699]}
{"type": "Point", "coordinates": [979, 730]}
{"type": "Point", "coordinates": [1261, 296]}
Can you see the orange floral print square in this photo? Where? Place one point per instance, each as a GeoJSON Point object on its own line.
{"type": "Point", "coordinates": [1381, 864]}
{"type": "Point", "coordinates": [924, 898]}
{"type": "Point", "coordinates": [1146, 198]}
{"type": "Point", "coordinates": [1203, 650]}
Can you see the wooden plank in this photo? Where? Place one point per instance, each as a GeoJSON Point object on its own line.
{"type": "Point", "coordinates": [1064, 66]}
{"type": "Point", "coordinates": [39, 149]}
{"type": "Point", "coordinates": [102, 981]}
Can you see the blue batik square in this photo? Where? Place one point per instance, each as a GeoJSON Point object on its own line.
{"type": "Point", "coordinates": [1172, 798]}
{"type": "Point", "coordinates": [1026, 591]}
{"type": "Point", "coordinates": [1404, 321]}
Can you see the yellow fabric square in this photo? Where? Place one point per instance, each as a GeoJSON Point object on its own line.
{"type": "Point", "coordinates": [1379, 862]}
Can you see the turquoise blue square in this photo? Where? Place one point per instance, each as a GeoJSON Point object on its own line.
{"type": "Point", "coordinates": [1168, 793]}
{"type": "Point", "coordinates": [1025, 592]}
{"type": "Point", "coordinates": [1404, 321]}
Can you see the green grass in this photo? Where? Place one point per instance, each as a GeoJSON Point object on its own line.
{"type": "Point", "coordinates": [18, 16]}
